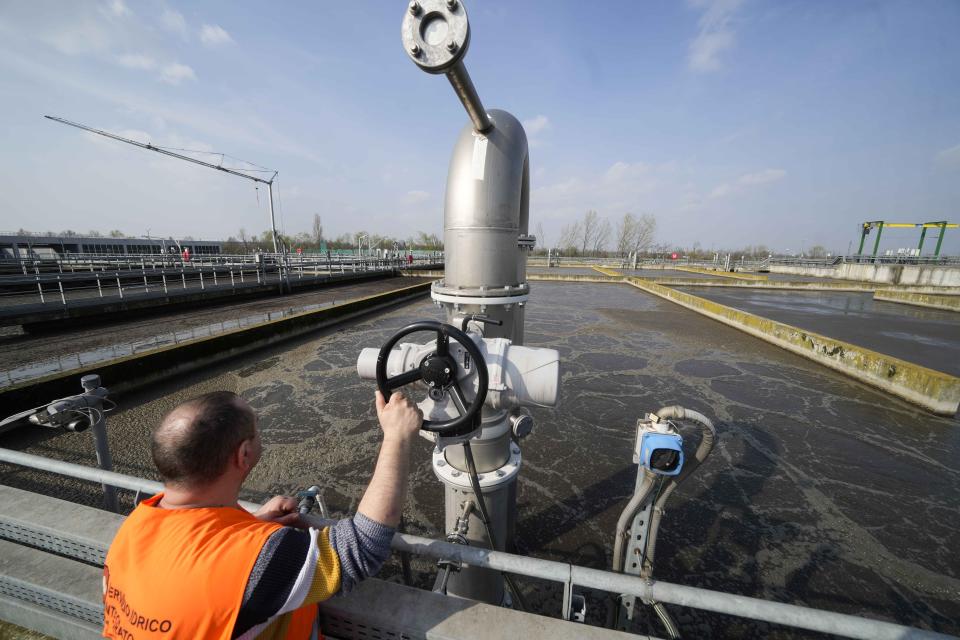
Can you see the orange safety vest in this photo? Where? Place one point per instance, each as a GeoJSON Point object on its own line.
{"type": "Point", "coordinates": [181, 573]}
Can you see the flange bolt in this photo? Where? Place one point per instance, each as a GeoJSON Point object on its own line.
{"type": "Point", "coordinates": [415, 50]}
{"type": "Point", "coordinates": [415, 8]}
{"type": "Point", "coordinates": [452, 46]}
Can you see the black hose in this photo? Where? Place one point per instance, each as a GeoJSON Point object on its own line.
{"type": "Point", "coordinates": [485, 519]}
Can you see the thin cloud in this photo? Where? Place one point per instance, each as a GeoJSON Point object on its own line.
{"type": "Point", "coordinates": [85, 36]}
{"type": "Point", "coordinates": [762, 177]}
{"type": "Point", "coordinates": [416, 196]}
{"type": "Point", "coordinates": [949, 157]}
{"type": "Point", "coordinates": [534, 127]}
{"type": "Point", "coordinates": [175, 73]}
{"type": "Point", "coordinates": [213, 35]}
{"type": "Point", "coordinates": [622, 187]}
{"type": "Point", "coordinates": [747, 181]}
{"type": "Point", "coordinates": [536, 124]}
{"type": "Point", "coordinates": [716, 35]}
{"type": "Point", "coordinates": [136, 61]}
{"type": "Point", "coordinates": [174, 22]}
{"type": "Point", "coordinates": [118, 8]}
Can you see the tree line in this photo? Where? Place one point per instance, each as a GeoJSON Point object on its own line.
{"type": "Point", "coordinates": [594, 235]}
{"type": "Point", "coordinates": [315, 241]}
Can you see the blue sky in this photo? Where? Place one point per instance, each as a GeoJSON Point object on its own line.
{"type": "Point", "coordinates": [732, 121]}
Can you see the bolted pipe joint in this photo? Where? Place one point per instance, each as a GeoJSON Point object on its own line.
{"type": "Point", "coordinates": [436, 34]}
{"type": "Point", "coordinates": [433, 26]}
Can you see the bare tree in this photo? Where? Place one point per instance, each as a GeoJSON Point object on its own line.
{"type": "Point", "coordinates": [591, 225]}
{"type": "Point", "coordinates": [541, 237]}
{"type": "Point", "coordinates": [645, 228]}
{"type": "Point", "coordinates": [317, 229]}
{"type": "Point", "coordinates": [601, 237]}
{"type": "Point", "coordinates": [626, 230]}
{"type": "Point", "coordinates": [243, 237]}
{"type": "Point", "coordinates": [570, 236]}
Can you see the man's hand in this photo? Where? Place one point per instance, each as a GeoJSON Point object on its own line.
{"type": "Point", "coordinates": [399, 418]}
{"type": "Point", "coordinates": [280, 509]}
{"type": "Point", "coordinates": [383, 499]}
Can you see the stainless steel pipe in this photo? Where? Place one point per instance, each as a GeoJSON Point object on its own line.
{"type": "Point", "coordinates": [463, 87]}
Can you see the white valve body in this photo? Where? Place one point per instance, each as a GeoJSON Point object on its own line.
{"type": "Point", "coordinates": [518, 375]}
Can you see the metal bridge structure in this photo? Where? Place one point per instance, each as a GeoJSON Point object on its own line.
{"type": "Point", "coordinates": [880, 225]}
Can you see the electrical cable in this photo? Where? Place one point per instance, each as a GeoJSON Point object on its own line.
{"type": "Point", "coordinates": [485, 519]}
{"type": "Point", "coordinates": [656, 496]}
{"type": "Point", "coordinates": [259, 169]}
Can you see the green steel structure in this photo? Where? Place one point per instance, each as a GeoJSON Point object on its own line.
{"type": "Point", "coordinates": [943, 225]}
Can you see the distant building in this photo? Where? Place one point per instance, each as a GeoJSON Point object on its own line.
{"type": "Point", "coordinates": [44, 247]}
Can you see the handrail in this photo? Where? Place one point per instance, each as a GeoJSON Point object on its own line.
{"type": "Point", "coordinates": [646, 589]}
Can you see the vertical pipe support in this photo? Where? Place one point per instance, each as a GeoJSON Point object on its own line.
{"type": "Point", "coordinates": [104, 459]}
{"type": "Point", "coordinates": [943, 230]}
{"type": "Point", "coordinates": [876, 243]}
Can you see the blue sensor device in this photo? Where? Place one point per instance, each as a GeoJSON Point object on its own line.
{"type": "Point", "coordinates": [661, 453]}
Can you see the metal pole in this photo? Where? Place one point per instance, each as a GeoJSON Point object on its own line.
{"type": "Point", "coordinates": [923, 234]}
{"type": "Point", "coordinates": [876, 244]}
{"type": "Point", "coordinates": [39, 286]}
{"type": "Point", "coordinates": [943, 230]}
{"type": "Point", "coordinates": [863, 236]}
{"type": "Point", "coordinates": [104, 459]}
{"type": "Point", "coordinates": [273, 221]}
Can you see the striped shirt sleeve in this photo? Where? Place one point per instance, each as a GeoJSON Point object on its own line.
{"type": "Point", "coordinates": [300, 567]}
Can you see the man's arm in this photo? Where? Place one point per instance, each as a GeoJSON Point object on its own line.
{"type": "Point", "coordinates": [337, 558]}
{"type": "Point", "coordinates": [400, 420]}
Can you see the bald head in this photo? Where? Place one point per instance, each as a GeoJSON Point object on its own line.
{"type": "Point", "coordinates": [194, 442]}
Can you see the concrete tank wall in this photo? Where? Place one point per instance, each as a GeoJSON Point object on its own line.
{"type": "Point", "coordinates": [905, 274]}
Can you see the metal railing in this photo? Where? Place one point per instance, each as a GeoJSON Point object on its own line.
{"type": "Point", "coordinates": [117, 276]}
{"type": "Point", "coordinates": [77, 360]}
{"type": "Point", "coordinates": [569, 575]}
{"type": "Point", "coordinates": [865, 259]}
{"type": "Point", "coordinates": [91, 261]}
{"type": "Point", "coordinates": [618, 262]}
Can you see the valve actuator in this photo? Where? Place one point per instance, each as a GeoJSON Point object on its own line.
{"type": "Point", "coordinates": [519, 376]}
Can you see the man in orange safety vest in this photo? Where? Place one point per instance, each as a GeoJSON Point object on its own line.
{"type": "Point", "coordinates": [191, 563]}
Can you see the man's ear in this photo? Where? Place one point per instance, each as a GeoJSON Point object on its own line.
{"type": "Point", "coordinates": [245, 455]}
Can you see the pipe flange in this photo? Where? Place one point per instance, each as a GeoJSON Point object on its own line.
{"type": "Point", "coordinates": [435, 33]}
{"type": "Point", "coordinates": [480, 295]}
{"type": "Point", "coordinates": [453, 477]}
{"type": "Point", "coordinates": [480, 301]}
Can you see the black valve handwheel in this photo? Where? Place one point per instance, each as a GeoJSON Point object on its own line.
{"type": "Point", "coordinates": [439, 371]}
